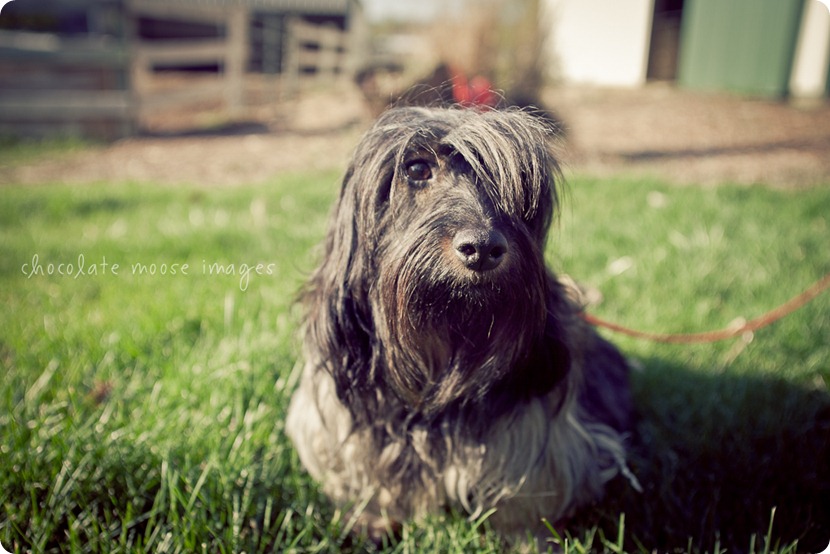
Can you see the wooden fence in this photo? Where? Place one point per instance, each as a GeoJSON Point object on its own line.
{"type": "Point", "coordinates": [110, 87]}
{"type": "Point", "coordinates": [318, 53]}
{"type": "Point", "coordinates": [51, 84]}
{"type": "Point", "coordinates": [228, 52]}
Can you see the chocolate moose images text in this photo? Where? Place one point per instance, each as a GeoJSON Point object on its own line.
{"type": "Point", "coordinates": [82, 266]}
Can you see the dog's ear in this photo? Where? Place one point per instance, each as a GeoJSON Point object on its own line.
{"type": "Point", "coordinates": [339, 332]}
{"type": "Point", "coordinates": [549, 360]}
{"type": "Point", "coordinates": [336, 320]}
{"type": "Point", "coordinates": [546, 367]}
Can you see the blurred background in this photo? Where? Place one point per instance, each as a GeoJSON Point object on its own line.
{"type": "Point", "coordinates": [697, 90]}
{"type": "Point", "coordinates": [146, 409]}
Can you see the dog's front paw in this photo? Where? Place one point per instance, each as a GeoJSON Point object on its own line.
{"type": "Point", "coordinates": [377, 528]}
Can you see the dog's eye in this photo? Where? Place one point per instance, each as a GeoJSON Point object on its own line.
{"type": "Point", "coordinates": [419, 171]}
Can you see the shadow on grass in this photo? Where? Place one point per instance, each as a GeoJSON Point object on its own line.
{"type": "Point", "coordinates": [716, 453]}
{"type": "Point", "coordinates": [729, 150]}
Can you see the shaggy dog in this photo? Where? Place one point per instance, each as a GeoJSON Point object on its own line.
{"type": "Point", "coordinates": [445, 366]}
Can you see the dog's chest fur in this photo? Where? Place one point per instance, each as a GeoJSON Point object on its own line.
{"type": "Point", "coordinates": [540, 460]}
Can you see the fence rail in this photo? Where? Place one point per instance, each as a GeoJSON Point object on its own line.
{"type": "Point", "coordinates": [48, 78]}
{"type": "Point", "coordinates": [67, 85]}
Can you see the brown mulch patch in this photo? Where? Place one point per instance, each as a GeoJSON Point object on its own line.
{"type": "Point", "coordinates": [681, 136]}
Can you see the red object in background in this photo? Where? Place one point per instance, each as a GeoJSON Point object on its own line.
{"type": "Point", "coordinates": [475, 92]}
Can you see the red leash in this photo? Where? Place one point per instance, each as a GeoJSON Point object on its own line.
{"type": "Point", "coordinates": [731, 332]}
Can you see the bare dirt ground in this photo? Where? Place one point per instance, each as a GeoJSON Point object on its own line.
{"type": "Point", "coordinates": [696, 138]}
{"type": "Point", "coordinates": [680, 136]}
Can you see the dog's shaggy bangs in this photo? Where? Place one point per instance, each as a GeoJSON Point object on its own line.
{"type": "Point", "coordinates": [508, 151]}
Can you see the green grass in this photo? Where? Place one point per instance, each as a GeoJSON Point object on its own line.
{"type": "Point", "coordinates": [15, 151]}
{"type": "Point", "coordinates": [145, 412]}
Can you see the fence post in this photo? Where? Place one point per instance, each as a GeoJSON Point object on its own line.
{"type": "Point", "coordinates": [327, 61]}
{"type": "Point", "coordinates": [291, 64]}
{"type": "Point", "coordinates": [137, 70]}
{"type": "Point", "coordinates": [237, 37]}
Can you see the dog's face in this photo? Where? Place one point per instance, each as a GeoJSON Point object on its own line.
{"type": "Point", "coordinates": [439, 237]}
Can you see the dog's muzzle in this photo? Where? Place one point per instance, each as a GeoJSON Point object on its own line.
{"type": "Point", "coordinates": [480, 249]}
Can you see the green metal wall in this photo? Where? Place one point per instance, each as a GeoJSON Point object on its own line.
{"type": "Point", "coordinates": [745, 46]}
{"type": "Point", "coordinates": [827, 83]}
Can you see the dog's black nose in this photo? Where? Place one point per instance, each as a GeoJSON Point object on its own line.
{"type": "Point", "coordinates": [480, 250]}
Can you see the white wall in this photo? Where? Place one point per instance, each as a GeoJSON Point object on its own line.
{"type": "Point", "coordinates": [600, 42]}
{"type": "Point", "coordinates": [812, 54]}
